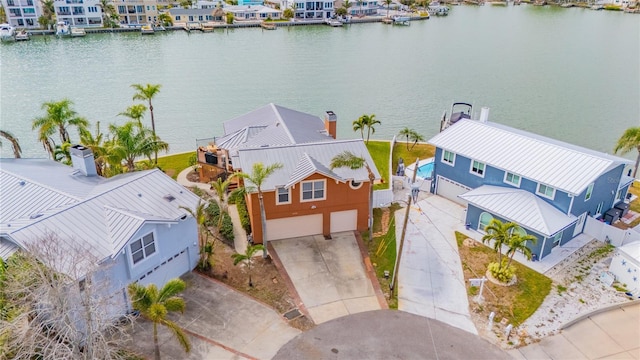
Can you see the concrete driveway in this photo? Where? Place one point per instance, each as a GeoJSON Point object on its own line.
{"type": "Point", "coordinates": [430, 278]}
{"type": "Point", "coordinates": [329, 276]}
{"type": "Point", "coordinates": [222, 323]}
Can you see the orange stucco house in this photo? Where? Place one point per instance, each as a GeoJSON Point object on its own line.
{"type": "Point", "coordinates": [305, 196]}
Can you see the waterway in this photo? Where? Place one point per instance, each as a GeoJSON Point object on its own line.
{"type": "Point", "coordinates": [571, 74]}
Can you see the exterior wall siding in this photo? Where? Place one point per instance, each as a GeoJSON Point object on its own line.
{"type": "Point", "coordinates": [604, 191]}
{"type": "Point", "coordinates": [339, 197]}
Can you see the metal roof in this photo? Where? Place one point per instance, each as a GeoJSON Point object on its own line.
{"type": "Point", "coordinates": [521, 207]}
{"type": "Point", "coordinates": [103, 221]}
{"type": "Point", "coordinates": [301, 160]}
{"type": "Point", "coordinates": [563, 166]}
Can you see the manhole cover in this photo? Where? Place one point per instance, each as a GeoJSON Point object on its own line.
{"type": "Point", "coordinates": [292, 314]}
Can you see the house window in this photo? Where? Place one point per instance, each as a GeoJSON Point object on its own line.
{"type": "Point", "coordinates": [485, 219]}
{"type": "Point", "coordinates": [546, 191]}
{"type": "Point", "coordinates": [313, 190]}
{"type": "Point", "coordinates": [619, 195]}
{"type": "Point", "coordinates": [177, 17]}
{"type": "Point", "coordinates": [556, 239]}
{"type": "Point", "coordinates": [477, 168]}
{"type": "Point", "coordinates": [448, 157]}
{"type": "Point", "coordinates": [283, 196]}
{"type": "Point", "coordinates": [599, 208]}
{"type": "Point", "coordinates": [142, 248]}
{"type": "Point", "coordinates": [512, 179]}
{"type": "Point", "coordinates": [587, 196]}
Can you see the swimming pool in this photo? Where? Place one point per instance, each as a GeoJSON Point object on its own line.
{"type": "Point", "coordinates": [425, 169]}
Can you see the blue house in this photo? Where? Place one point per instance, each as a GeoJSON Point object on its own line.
{"type": "Point", "coordinates": [129, 228]}
{"type": "Point", "coordinates": [546, 186]}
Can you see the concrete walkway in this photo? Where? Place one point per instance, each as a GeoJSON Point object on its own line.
{"type": "Point", "coordinates": [430, 278]}
{"type": "Point", "coordinates": [328, 275]}
{"type": "Point", "coordinates": [221, 322]}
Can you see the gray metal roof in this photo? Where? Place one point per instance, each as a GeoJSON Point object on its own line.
{"type": "Point", "coordinates": [301, 160]}
{"type": "Point", "coordinates": [563, 166]}
{"type": "Point", "coordinates": [104, 220]}
{"type": "Point", "coordinates": [176, 11]}
{"type": "Point", "coordinates": [521, 207]}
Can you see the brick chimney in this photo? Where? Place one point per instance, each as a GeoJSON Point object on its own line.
{"type": "Point", "coordinates": [83, 161]}
{"type": "Point", "coordinates": [330, 122]}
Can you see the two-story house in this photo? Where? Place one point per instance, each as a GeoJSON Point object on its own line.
{"type": "Point", "coordinates": [305, 196]}
{"type": "Point", "coordinates": [134, 12]}
{"type": "Point", "coordinates": [546, 186]}
{"type": "Point", "coordinates": [131, 225]}
{"type": "Point", "coordinates": [22, 13]}
{"type": "Point", "coordinates": [82, 13]}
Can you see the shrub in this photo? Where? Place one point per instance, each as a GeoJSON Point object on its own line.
{"type": "Point", "coordinates": [473, 290]}
{"type": "Point", "coordinates": [501, 273]}
{"type": "Point", "coordinates": [243, 212]}
{"type": "Point", "coordinates": [226, 230]}
{"type": "Point", "coordinates": [213, 211]}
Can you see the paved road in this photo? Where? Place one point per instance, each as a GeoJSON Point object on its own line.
{"type": "Point", "coordinates": [388, 334]}
{"type": "Point", "coordinates": [328, 275]}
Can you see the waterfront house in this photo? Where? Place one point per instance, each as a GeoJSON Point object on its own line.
{"type": "Point", "coordinates": [200, 16]}
{"type": "Point", "coordinates": [253, 12]}
{"type": "Point", "coordinates": [80, 13]}
{"type": "Point", "coordinates": [304, 197]}
{"type": "Point", "coordinates": [22, 13]}
{"type": "Point", "coordinates": [546, 186]}
{"type": "Point", "coordinates": [310, 10]}
{"type": "Point", "coordinates": [137, 12]}
{"type": "Point", "coordinates": [130, 225]}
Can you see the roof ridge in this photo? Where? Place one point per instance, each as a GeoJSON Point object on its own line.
{"type": "Point", "coordinates": [122, 211]}
{"type": "Point", "coordinates": [282, 122]}
{"type": "Point", "coordinates": [22, 178]}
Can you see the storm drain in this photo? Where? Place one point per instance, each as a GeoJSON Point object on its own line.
{"type": "Point", "coordinates": [292, 314]}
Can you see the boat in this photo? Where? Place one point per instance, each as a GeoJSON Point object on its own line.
{"type": "Point", "coordinates": [159, 28]}
{"type": "Point", "coordinates": [401, 20]}
{"type": "Point", "coordinates": [333, 22]}
{"type": "Point", "coordinates": [23, 35]}
{"type": "Point", "coordinates": [459, 111]}
{"type": "Point", "coordinates": [78, 32]}
{"type": "Point", "coordinates": [438, 9]}
{"type": "Point", "coordinates": [7, 32]}
{"type": "Point", "coordinates": [597, 7]}
{"type": "Point", "coordinates": [62, 29]}
{"type": "Point", "coordinates": [146, 29]}
{"type": "Point", "coordinates": [268, 25]}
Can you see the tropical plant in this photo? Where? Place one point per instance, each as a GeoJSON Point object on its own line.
{"type": "Point", "coordinates": [147, 93]}
{"type": "Point", "coordinates": [500, 233]}
{"type": "Point", "coordinates": [47, 19]}
{"type": "Point", "coordinates": [630, 140]}
{"type": "Point", "coordinates": [359, 125]}
{"type": "Point", "coordinates": [288, 13]}
{"type": "Point", "coordinates": [415, 137]}
{"type": "Point", "coordinates": [247, 257]}
{"type": "Point", "coordinates": [165, 19]}
{"type": "Point", "coordinates": [518, 242]}
{"type": "Point", "coordinates": [369, 122]}
{"type": "Point", "coordinates": [59, 117]}
{"type": "Point", "coordinates": [406, 132]}
{"type": "Point", "coordinates": [259, 173]}
{"type": "Point", "coordinates": [130, 142]}
{"type": "Point", "coordinates": [346, 4]}
{"type": "Point", "coordinates": [135, 112]}
{"type": "Point", "coordinates": [98, 146]}
{"type": "Point", "coordinates": [155, 304]}
{"type": "Point", "coordinates": [350, 160]}
{"type": "Point", "coordinates": [220, 187]}
{"type": "Point", "coordinates": [62, 153]}
{"type": "Point", "coordinates": [206, 249]}
{"type": "Point", "coordinates": [15, 145]}
{"type": "Point", "coordinates": [108, 12]}
{"type": "Point", "coordinates": [388, 2]}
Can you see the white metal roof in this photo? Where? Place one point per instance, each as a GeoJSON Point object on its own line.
{"type": "Point", "coordinates": [521, 207]}
{"type": "Point", "coordinates": [301, 160]}
{"type": "Point", "coordinates": [103, 221]}
{"type": "Point", "coordinates": [563, 166]}
{"type": "Point", "coordinates": [632, 250]}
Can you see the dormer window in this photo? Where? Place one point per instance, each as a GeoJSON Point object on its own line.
{"type": "Point", "coordinates": [477, 168]}
{"type": "Point", "coordinates": [546, 191]}
{"type": "Point", "coordinates": [142, 248]}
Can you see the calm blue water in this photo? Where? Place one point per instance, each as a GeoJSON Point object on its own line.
{"type": "Point", "coordinates": [425, 171]}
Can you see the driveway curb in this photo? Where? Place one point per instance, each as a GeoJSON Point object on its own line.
{"type": "Point", "coordinates": [371, 274]}
{"type": "Point", "coordinates": [287, 280]}
{"type": "Point", "coordinates": [598, 311]}
{"type": "Point", "coordinates": [218, 344]}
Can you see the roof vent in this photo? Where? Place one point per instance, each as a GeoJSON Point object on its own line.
{"type": "Point", "coordinates": [139, 195]}
{"type": "Point", "coordinates": [265, 145]}
{"type": "Point", "coordinates": [35, 216]}
{"type": "Point", "coordinates": [22, 182]}
{"type": "Point", "coordinates": [169, 197]}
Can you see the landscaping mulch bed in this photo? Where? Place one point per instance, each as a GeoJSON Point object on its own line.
{"type": "Point", "coordinates": [268, 285]}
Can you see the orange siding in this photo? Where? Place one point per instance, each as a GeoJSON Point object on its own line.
{"type": "Point", "coordinates": [339, 197]}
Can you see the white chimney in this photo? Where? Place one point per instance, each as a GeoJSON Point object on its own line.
{"type": "Point", "coordinates": [484, 114]}
{"type": "Point", "coordinates": [82, 160]}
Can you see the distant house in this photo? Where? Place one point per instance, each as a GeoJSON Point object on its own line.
{"type": "Point", "coordinates": [131, 223]}
{"type": "Point", "coordinates": [304, 197]}
{"type": "Point", "coordinates": [253, 12]}
{"type": "Point", "coordinates": [22, 13]}
{"type": "Point", "coordinates": [135, 12]}
{"type": "Point", "coordinates": [196, 15]}
{"type": "Point", "coordinates": [546, 186]}
{"type": "Point", "coordinates": [78, 13]}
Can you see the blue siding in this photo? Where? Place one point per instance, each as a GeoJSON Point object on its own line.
{"type": "Point", "coordinates": [604, 190]}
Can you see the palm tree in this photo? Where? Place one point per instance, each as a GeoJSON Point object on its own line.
{"type": "Point", "coordinates": [350, 160]}
{"type": "Point", "coordinates": [360, 5]}
{"type": "Point", "coordinates": [518, 242]}
{"type": "Point", "coordinates": [346, 4]}
{"type": "Point", "coordinates": [221, 187]}
{"type": "Point", "coordinates": [206, 249]}
{"type": "Point", "coordinates": [165, 19]}
{"type": "Point", "coordinates": [388, 2]}
{"type": "Point", "coordinates": [48, 14]}
{"type": "Point", "coordinates": [359, 125]}
{"type": "Point", "coordinates": [147, 93]}
{"type": "Point", "coordinates": [131, 141]}
{"type": "Point", "coordinates": [406, 132]}
{"type": "Point", "coordinates": [60, 116]}
{"type": "Point", "coordinates": [155, 305]}
{"type": "Point", "coordinates": [630, 140]}
{"type": "Point", "coordinates": [247, 256]}
{"type": "Point", "coordinates": [500, 233]}
{"type": "Point", "coordinates": [370, 121]}
{"type": "Point", "coordinates": [135, 112]}
{"type": "Point", "coordinates": [97, 145]}
{"type": "Point", "coordinates": [108, 10]}
{"type": "Point", "coordinates": [258, 175]}
{"type": "Point", "coordinates": [415, 137]}
{"type": "Point", "coordinates": [17, 150]}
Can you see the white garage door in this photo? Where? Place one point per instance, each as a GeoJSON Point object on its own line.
{"type": "Point", "coordinates": [344, 221]}
{"type": "Point", "coordinates": [171, 268]}
{"type": "Point", "coordinates": [294, 227]}
{"type": "Point", "coordinates": [450, 189]}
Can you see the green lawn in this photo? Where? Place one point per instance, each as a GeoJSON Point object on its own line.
{"type": "Point", "coordinates": [172, 165]}
{"type": "Point", "coordinates": [420, 151]}
{"type": "Point", "coordinates": [379, 151]}
{"type": "Point", "coordinates": [382, 252]}
{"type": "Point", "coordinates": [635, 204]}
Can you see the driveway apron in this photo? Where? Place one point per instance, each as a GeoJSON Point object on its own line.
{"type": "Point", "coordinates": [430, 278]}
{"type": "Point", "coordinates": [328, 275]}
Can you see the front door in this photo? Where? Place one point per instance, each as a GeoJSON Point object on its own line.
{"type": "Point", "coordinates": [579, 224]}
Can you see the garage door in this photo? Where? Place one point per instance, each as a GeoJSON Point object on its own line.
{"type": "Point", "coordinates": [294, 226]}
{"type": "Point", "coordinates": [344, 221]}
{"type": "Point", "coordinates": [171, 268]}
{"type": "Point", "coordinates": [450, 189]}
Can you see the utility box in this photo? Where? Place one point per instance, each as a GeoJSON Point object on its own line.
{"type": "Point", "coordinates": [612, 215]}
{"type": "Point", "coordinates": [623, 207]}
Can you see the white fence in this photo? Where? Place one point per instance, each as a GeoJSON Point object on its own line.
{"type": "Point", "coordinates": [382, 198]}
{"type": "Point", "coordinates": [604, 232]}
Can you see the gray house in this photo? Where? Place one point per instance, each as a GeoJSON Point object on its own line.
{"type": "Point", "coordinates": [130, 224]}
{"type": "Point", "coordinates": [546, 186]}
